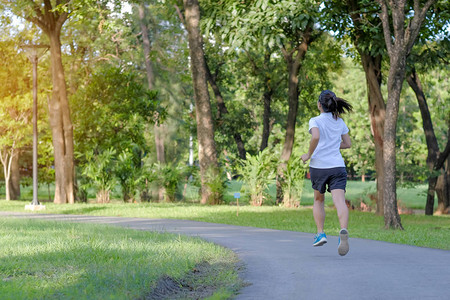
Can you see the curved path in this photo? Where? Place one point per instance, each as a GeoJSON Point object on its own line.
{"type": "Point", "coordinates": [284, 265]}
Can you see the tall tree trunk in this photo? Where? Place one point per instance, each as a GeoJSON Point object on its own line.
{"type": "Point", "coordinates": [14, 184]}
{"type": "Point", "coordinates": [395, 82]}
{"type": "Point", "coordinates": [159, 136]}
{"type": "Point", "coordinates": [222, 110]}
{"type": "Point", "coordinates": [399, 42]}
{"type": "Point", "coordinates": [430, 137]}
{"type": "Point", "coordinates": [443, 184]}
{"type": "Point", "coordinates": [441, 192]}
{"type": "Point", "coordinates": [377, 106]}
{"type": "Point", "coordinates": [293, 60]}
{"type": "Point", "coordinates": [62, 129]}
{"type": "Point", "coordinates": [377, 112]}
{"type": "Point", "coordinates": [207, 152]}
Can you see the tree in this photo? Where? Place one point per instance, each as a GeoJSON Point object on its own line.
{"type": "Point", "coordinates": [146, 43]}
{"type": "Point", "coordinates": [14, 76]}
{"type": "Point", "coordinates": [111, 113]}
{"type": "Point", "coordinates": [252, 69]}
{"type": "Point", "coordinates": [357, 20]}
{"type": "Point", "coordinates": [205, 132]}
{"type": "Point", "coordinates": [50, 17]}
{"type": "Point", "coordinates": [399, 43]}
{"type": "Point", "coordinates": [427, 56]}
{"type": "Point", "coordinates": [214, 60]}
{"type": "Point", "coordinates": [289, 26]}
{"type": "Point", "coordinates": [223, 111]}
{"type": "Point", "coordinates": [14, 132]}
{"type": "Point", "coordinates": [298, 29]}
{"type": "Point", "coordinates": [435, 158]}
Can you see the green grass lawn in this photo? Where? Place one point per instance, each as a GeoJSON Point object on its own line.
{"type": "Point", "coordinates": [55, 260]}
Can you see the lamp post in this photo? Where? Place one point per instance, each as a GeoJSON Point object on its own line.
{"type": "Point", "coordinates": [33, 53]}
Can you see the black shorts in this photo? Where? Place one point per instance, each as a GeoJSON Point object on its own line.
{"type": "Point", "coordinates": [335, 178]}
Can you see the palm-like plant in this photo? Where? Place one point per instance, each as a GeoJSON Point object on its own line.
{"type": "Point", "coordinates": [256, 172]}
{"type": "Point", "coordinates": [99, 170]}
{"type": "Point", "coordinates": [293, 182]}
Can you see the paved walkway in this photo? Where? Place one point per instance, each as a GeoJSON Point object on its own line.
{"type": "Point", "coordinates": [284, 265]}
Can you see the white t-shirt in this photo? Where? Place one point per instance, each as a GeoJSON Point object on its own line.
{"type": "Point", "coordinates": [327, 154]}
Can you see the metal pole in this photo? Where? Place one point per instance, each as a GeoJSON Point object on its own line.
{"type": "Point", "coordinates": [35, 132]}
{"type": "Point", "coordinates": [33, 53]}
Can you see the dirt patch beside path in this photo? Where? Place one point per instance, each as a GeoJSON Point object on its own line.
{"type": "Point", "coordinates": [200, 283]}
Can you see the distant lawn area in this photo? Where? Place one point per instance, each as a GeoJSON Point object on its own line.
{"type": "Point", "coordinates": [59, 260]}
{"type": "Point", "coordinates": [357, 191]}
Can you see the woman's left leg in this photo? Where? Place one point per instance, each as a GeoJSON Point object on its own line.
{"type": "Point", "coordinates": [338, 196]}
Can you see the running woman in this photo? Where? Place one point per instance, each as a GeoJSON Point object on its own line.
{"type": "Point", "coordinates": [329, 134]}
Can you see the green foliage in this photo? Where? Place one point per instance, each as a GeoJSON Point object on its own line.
{"type": "Point", "coordinates": [112, 111]}
{"type": "Point", "coordinates": [277, 23]}
{"type": "Point", "coordinates": [315, 76]}
{"type": "Point", "coordinates": [256, 172]}
{"type": "Point", "coordinates": [112, 107]}
{"type": "Point", "coordinates": [363, 31]}
{"type": "Point", "coordinates": [15, 122]}
{"type": "Point", "coordinates": [15, 70]}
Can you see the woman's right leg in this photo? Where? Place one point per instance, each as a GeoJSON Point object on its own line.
{"type": "Point", "coordinates": [319, 210]}
{"type": "Point", "coordinates": [342, 211]}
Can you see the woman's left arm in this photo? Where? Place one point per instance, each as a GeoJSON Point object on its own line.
{"type": "Point", "coordinates": [346, 142]}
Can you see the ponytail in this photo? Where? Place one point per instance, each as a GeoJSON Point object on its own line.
{"type": "Point", "coordinates": [333, 104]}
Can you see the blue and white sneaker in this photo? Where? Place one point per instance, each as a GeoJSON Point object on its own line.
{"type": "Point", "coordinates": [343, 242]}
{"type": "Point", "coordinates": [320, 239]}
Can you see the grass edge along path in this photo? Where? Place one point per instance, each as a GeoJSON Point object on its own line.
{"type": "Point", "coordinates": [53, 260]}
{"type": "Point", "coordinates": [420, 230]}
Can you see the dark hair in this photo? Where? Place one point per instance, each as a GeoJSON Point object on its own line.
{"type": "Point", "coordinates": [333, 104]}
